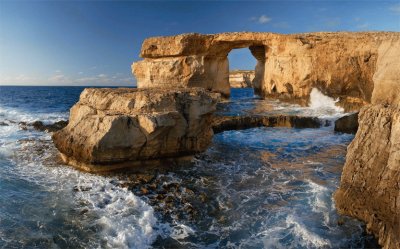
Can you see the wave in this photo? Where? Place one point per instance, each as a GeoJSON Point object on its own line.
{"type": "Point", "coordinates": [111, 216]}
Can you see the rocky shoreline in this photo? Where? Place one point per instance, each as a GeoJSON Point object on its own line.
{"type": "Point", "coordinates": [182, 78]}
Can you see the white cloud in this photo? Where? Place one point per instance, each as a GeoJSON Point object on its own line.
{"type": "Point", "coordinates": [363, 26]}
{"type": "Point", "coordinates": [20, 79]}
{"type": "Point", "coordinates": [395, 8]}
{"type": "Point", "coordinates": [58, 78]}
{"type": "Point", "coordinates": [263, 19]}
{"type": "Point", "coordinates": [102, 79]}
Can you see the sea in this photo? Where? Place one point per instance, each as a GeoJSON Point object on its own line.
{"type": "Point", "coordinates": [253, 188]}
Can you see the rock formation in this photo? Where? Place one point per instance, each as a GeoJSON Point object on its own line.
{"type": "Point", "coordinates": [225, 123]}
{"type": "Point", "coordinates": [369, 189]}
{"type": "Point", "coordinates": [370, 185]}
{"type": "Point", "coordinates": [111, 128]}
{"type": "Point", "coordinates": [347, 124]}
{"type": "Point", "coordinates": [241, 78]}
{"type": "Point", "coordinates": [288, 66]}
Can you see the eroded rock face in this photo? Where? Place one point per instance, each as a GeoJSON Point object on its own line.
{"type": "Point", "coordinates": [369, 188]}
{"type": "Point", "coordinates": [241, 78]}
{"type": "Point", "coordinates": [108, 127]}
{"type": "Point", "coordinates": [339, 64]}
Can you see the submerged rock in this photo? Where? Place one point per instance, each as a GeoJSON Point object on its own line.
{"type": "Point", "coordinates": [114, 128]}
{"type": "Point", "coordinates": [369, 188]}
{"type": "Point", "coordinates": [224, 123]}
{"type": "Point", "coordinates": [347, 124]}
{"type": "Point", "coordinates": [39, 125]}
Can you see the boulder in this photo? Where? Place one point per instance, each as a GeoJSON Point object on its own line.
{"type": "Point", "coordinates": [113, 128]}
{"type": "Point", "coordinates": [347, 124]}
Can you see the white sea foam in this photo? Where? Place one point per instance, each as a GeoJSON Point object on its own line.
{"type": "Point", "coordinates": [305, 237]}
{"type": "Point", "coordinates": [8, 114]}
{"type": "Point", "coordinates": [181, 231]}
{"type": "Point", "coordinates": [123, 219]}
{"type": "Point", "coordinates": [318, 200]}
{"type": "Point", "coordinates": [322, 104]}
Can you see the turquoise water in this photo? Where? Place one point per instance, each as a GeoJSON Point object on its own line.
{"type": "Point", "coordinates": [255, 188]}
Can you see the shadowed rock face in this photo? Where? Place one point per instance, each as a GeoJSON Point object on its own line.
{"type": "Point", "coordinates": [118, 126]}
{"type": "Point", "coordinates": [225, 123]}
{"type": "Point", "coordinates": [288, 66]}
{"type": "Point", "coordinates": [347, 124]}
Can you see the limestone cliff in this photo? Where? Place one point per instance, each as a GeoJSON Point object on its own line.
{"type": "Point", "coordinates": [370, 184]}
{"type": "Point", "coordinates": [369, 189]}
{"type": "Point", "coordinates": [339, 64]}
{"type": "Point", "coordinates": [111, 128]}
{"type": "Point", "coordinates": [241, 78]}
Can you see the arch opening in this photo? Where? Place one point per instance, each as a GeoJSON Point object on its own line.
{"type": "Point", "coordinates": [246, 67]}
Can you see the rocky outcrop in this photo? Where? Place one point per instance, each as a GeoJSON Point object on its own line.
{"type": "Point", "coordinates": [347, 124]}
{"type": "Point", "coordinates": [369, 188]}
{"type": "Point", "coordinates": [112, 128]}
{"type": "Point", "coordinates": [241, 78]}
{"type": "Point", "coordinates": [226, 123]}
{"type": "Point", "coordinates": [341, 64]}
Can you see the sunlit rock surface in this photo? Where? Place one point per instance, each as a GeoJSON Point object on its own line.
{"type": "Point", "coordinates": [340, 64]}
{"type": "Point", "coordinates": [108, 127]}
{"type": "Point", "coordinates": [369, 188]}
{"type": "Point", "coordinates": [241, 78]}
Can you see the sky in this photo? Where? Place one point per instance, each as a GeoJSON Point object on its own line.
{"type": "Point", "coordinates": [95, 42]}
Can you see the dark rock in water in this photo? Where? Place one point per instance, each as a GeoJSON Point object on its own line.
{"type": "Point", "coordinates": [40, 126]}
{"type": "Point", "coordinates": [3, 124]}
{"type": "Point", "coordinates": [347, 124]}
{"type": "Point", "coordinates": [23, 126]}
{"type": "Point", "coordinates": [224, 123]}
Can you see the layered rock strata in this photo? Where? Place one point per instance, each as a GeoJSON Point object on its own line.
{"type": "Point", "coordinates": [110, 128]}
{"type": "Point", "coordinates": [341, 64]}
{"type": "Point", "coordinates": [226, 123]}
{"type": "Point", "coordinates": [241, 78]}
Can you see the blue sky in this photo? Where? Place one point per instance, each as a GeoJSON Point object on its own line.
{"type": "Point", "coordinates": [95, 42]}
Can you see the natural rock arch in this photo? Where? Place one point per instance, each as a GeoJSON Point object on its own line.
{"type": "Point", "coordinates": [288, 66]}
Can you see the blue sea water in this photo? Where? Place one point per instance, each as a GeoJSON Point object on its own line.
{"type": "Point", "coordinates": [254, 188]}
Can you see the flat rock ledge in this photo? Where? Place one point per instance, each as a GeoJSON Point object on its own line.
{"type": "Point", "coordinates": [225, 123]}
{"type": "Point", "coordinates": [124, 127]}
